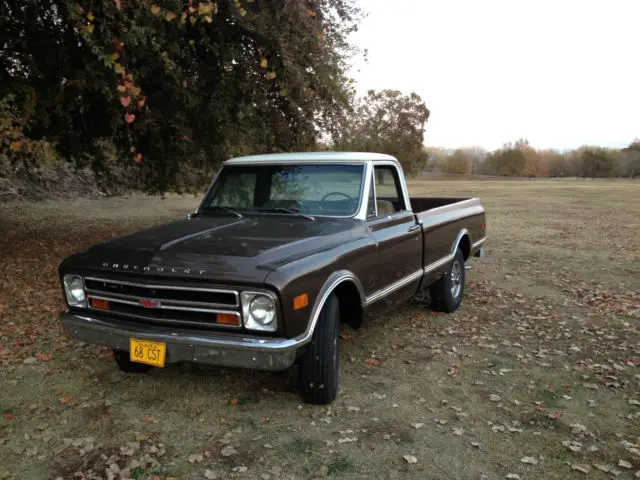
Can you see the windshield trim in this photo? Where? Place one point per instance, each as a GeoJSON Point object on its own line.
{"type": "Point", "coordinates": [363, 180]}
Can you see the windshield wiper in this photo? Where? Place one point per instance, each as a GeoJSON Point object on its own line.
{"type": "Point", "coordinates": [225, 209]}
{"type": "Point", "coordinates": [286, 210]}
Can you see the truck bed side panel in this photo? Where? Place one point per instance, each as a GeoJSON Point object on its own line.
{"type": "Point", "coordinates": [441, 226]}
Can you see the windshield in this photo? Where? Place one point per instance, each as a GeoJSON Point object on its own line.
{"type": "Point", "coordinates": [323, 190]}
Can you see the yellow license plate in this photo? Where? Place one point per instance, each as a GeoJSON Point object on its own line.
{"type": "Point", "coordinates": [151, 353]}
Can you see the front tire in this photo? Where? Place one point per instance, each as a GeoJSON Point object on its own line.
{"type": "Point", "coordinates": [446, 293]}
{"type": "Point", "coordinates": [319, 365]}
{"type": "Point", "coordinates": [126, 365]}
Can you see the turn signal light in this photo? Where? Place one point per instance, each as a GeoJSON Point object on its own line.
{"type": "Point", "coordinates": [300, 301]}
{"type": "Point", "coordinates": [227, 319]}
{"type": "Point", "coordinates": [99, 303]}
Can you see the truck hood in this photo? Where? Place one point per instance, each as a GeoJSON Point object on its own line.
{"type": "Point", "coordinates": [221, 248]}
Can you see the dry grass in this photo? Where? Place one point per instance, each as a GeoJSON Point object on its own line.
{"type": "Point", "coordinates": [548, 324]}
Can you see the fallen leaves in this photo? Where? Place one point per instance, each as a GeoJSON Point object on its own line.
{"type": "Point", "coordinates": [150, 419]}
{"type": "Point", "coordinates": [65, 400]}
{"type": "Point", "coordinates": [410, 459]}
{"type": "Point", "coordinates": [373, 362]}
{"type": "Point", "coordinates": [581, 468]}
{"type": "Point", "coordinates": [624, 464]}
{"type": "Point", "coordinates": [228, 451]}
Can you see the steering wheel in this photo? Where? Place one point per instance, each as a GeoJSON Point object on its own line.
{"type": "Point", "coordinates": [337, 193]}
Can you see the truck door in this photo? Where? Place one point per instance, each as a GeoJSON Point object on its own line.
{"type": "Point", "coordinates": [399, 238]}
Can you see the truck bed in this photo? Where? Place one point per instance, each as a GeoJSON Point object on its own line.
{"type": "Point", "coordinates": [421, 204]}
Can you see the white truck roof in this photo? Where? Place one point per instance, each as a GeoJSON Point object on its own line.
{"type": "Point", "coordinates": [313, 157]}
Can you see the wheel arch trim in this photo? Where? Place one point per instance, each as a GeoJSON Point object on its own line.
{"type": "Point", "coordinates": [456, 243]}
{"type": "Point", "coordinates": [329, 286]}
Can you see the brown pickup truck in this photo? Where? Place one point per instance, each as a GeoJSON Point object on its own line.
{"type": "Point", "coordinates": [282, 249]}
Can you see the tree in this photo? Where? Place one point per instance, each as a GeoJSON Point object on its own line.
{"type": "Point", "coordinates": [597, 162]}
{"type": "Point", "coordinates": [459, 163]}
{"type": "Point", "coordinates": [630, 160]}
{"type": "Point", "coordinates": [387, 122]}
{"type": "Point", "coordinates": [177, 86]}
{"type": "Point", "coordinates": [510, 160]}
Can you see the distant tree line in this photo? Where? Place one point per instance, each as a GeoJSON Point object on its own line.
{"type": "Point", "coordinates": [520, 159]}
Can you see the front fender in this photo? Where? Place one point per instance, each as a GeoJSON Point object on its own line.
{"type": "Point", "coordinates": [334, 280]}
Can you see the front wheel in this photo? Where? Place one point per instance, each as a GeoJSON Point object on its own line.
{"type": "Point", "coordinates": [446, 293]}
{"type": "Point", "coordinates": [319, 365]}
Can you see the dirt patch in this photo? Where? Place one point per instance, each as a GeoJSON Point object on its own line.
{"type": "Point", "coordinates": [536, 375]}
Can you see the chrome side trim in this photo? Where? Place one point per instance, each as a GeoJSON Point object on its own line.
{"type": "Point", "coordinates": [164, 287]}
{"type": "Point", "coordinates": [393, 287]}
{"type": "Point", "coordinates": [479, 242]}
{"type": "Point", "coordinates": [437, 264]}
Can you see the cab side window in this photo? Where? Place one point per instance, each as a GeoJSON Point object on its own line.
{"type": "Point", "coordinates": [389, 197]}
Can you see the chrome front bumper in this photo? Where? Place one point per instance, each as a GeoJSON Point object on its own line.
{"type": "Point", "coordinates": [229, 349]}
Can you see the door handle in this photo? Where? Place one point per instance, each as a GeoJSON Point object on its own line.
{"type": "Point", "coordinates": [413, 228]}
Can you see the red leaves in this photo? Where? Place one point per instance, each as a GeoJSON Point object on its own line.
{"type": "Point", "coordinates": [137, 158]}
{"type": "Point", "coordinates": [346, 336]}
{"type": "Point", "coordinates": [150, 419]}
{"type": "Point", "coordinates": [129, 117]}
{"type": "Point", "coordinates": [373, 361]}
{"type": "Point", "coordinates": [65, 400]}
{"type": "Point", "coordinates": [141, 102]}
{"type": "Point", "coordinates": [117, 2]}
{"type": "Point", "coordinates": [44, 357]}
{"type": "Point", "coordinates": [125, 101]}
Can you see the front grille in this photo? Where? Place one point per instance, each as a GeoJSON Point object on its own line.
{"type": "Point", "coordinates": [164, 304]}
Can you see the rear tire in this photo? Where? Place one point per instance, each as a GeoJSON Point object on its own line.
{"type": "Point", "coordinates": [126, 365]}
{"type": "Point", "coordinates": [319, 365]}
{"type": "Point", "coordinates": [446, 293]}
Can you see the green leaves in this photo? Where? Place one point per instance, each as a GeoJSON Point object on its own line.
{"type": "Point", "coordinates": [231, 76]}
{"type": "Point", "coordinates": [387, 121]}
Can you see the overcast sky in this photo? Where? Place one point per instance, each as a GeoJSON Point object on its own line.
{"type": "Point", "coordinates": [561, 73]}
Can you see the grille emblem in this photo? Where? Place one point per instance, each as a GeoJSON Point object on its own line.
{"type": "Point", "coordinates": [149, 303]}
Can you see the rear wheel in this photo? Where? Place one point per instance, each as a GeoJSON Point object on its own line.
{"type": "Point", "coordinates": [126, 365]}
{"type": "Point", "coordinates": [446, 293]}
{"type": "Point", "coordinates": [319, 365]}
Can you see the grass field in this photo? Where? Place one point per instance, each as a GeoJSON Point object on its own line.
{"type": "Point", "coordinates": [536, 376]}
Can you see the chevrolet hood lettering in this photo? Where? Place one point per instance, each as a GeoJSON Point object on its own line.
{"type": "Point", "coordinates": [219, 247]}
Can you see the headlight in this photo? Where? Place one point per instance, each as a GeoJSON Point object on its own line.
{"type": "Point", "coordinates": [74, 290]}
{"type": "Point", "coordinates": [259, 311]}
